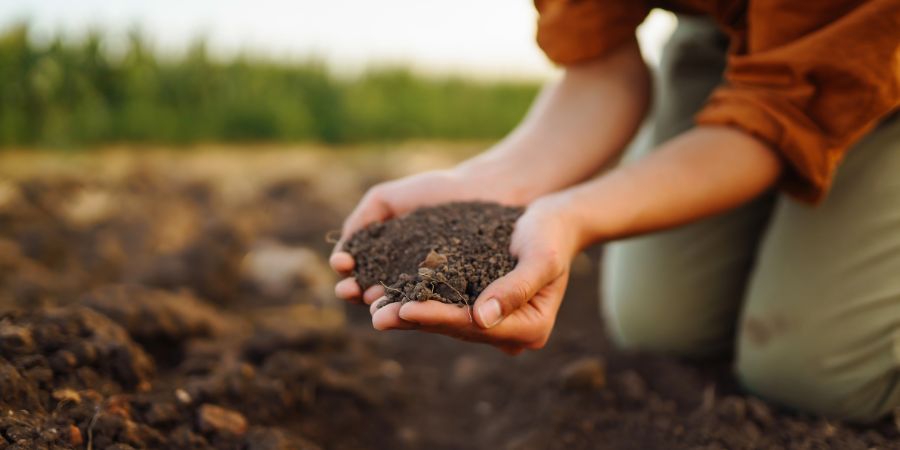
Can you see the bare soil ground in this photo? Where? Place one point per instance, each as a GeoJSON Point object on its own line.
{"type": "Point", "coordinates": [181, 300]}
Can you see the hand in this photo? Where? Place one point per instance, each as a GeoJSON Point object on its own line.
{"type": "Point", "coordinates": [398, 197]}
{"type": "Point", "coordinates": [517, 311]}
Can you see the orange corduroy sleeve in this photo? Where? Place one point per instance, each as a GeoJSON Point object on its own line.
{"type": "Point", "coordinates": [572, 31]}
{"type": "Point", "coordinates": [810, 79]}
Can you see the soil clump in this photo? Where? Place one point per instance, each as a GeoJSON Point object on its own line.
{"type": "Point", "coordinates": [449, 253]}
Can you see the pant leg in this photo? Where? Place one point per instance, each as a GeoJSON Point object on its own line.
{"type": "Point", "coordinates": [821, 326]}
{"type": "Point", "coordinates": [679, 291]}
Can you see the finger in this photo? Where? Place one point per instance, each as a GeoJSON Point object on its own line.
{"type": "Point", "coordinates": [370, 209]}
{"type": "Point", "coordinates": [511, 291]}
{"type": "Point", "coordinates": [433, 313]}
{"type": "Point", "coordinates": [373, 293]}
{"type": "Point", "coordinates": [377, 304]}
{"type": "Point", "coordinates": [341, 262]}
{"type": "Point", "coordinates": [347, 289]}
{"type": "Point", "coordinates": [387, 318]}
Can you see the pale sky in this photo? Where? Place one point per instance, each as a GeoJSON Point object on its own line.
{"type": "Point", "coordinates": [492, 38]}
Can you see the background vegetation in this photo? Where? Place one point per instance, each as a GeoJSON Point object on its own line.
{"type": "Point", "coordinates": [74, 94]}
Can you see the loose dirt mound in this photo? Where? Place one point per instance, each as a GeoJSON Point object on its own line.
{"type": "Point", "coordinates": [448, 253]}
{"type": "Point", "coordinates": [71, 376]}
{"type": "Point", "coordinates": [58, 365]}
{"type": "Point", "coordinates": [130, 317]}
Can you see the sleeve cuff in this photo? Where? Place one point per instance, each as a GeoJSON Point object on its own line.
{"type": "Point", "coordinates": [571, 32]}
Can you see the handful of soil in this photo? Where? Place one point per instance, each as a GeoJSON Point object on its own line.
{"type": "Point", "coordinates": [449, 253]}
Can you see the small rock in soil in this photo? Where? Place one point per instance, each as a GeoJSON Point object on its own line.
{"type": "Point", "coordinates": [586, 374]}
{"type": "Point", "coordinates": [15, 339]}
{"type": "Point", "coordinates": [66, 396]}
{"type": "Point", "coordinates": [183, 397]}
{"type": "Point", "coordinates": [215, 419]}
{"type": "Point", "coordinates": [75, 437]}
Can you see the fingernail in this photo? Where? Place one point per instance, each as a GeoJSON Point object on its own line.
{"type": "Point", "coordinates": [377, 304]}
{"type": "Point", "coordinates": [490, 313]}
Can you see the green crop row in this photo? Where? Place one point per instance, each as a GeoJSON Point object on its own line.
{"type": "Point", "coordinates": [77, 94]}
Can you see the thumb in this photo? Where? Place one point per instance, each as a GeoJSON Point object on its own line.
{"type": "Point", "coordinates": [371, 208]}
{"type": "Point", "coordinates": [513, 290]}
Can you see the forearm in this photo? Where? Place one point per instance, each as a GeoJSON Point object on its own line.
{"type": "Point", "coordinates": [700, 173]}
{"type": "Point", "coordinates": [573, 128]}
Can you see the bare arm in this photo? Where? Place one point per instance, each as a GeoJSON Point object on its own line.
{"type": "Point", "coordinates": [701, 172]}
{"type": "Point", "coordinates": [573, 128]}
{"type": "Point", "coordinates": [576, 126]}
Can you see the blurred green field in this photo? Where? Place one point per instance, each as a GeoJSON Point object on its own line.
{"type": "Point", "coordinates": [77, 94]}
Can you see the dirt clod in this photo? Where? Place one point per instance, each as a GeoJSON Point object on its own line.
{"type": "Point", "coordinates": [448, 253]}
{"type": "Point", "coordinates": [66, 396]}
{"type": "Point", "coordinates": [15, 339]}
{"type": "Point", "coordinates": [75, 437]}
{"type": "Point", "coordinates": [183, 397]}
{"type": "Point", "coordinates": [215, 419]}
{"type": "Point", "coordinates": [588, 373]}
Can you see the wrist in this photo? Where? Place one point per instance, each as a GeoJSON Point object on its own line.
{"type": "Point", "coordinates": [565, 210]}
{"type": "Point", "coordinates": [493, 177]}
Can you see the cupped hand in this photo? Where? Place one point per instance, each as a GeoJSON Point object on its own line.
{"type": "Point", "coordinates": [517, 311]}
{"type": "Point", "coordinates": [394, 198]}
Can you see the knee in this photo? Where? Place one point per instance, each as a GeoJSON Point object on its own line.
{"type": "Point", "coordinates": [808, 374]}
{"type": "Point", "coordinates": [644, 320]}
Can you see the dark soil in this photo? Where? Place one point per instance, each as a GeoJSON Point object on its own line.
{"type": "Point", "coordinates": [449, 253]}
{"type": "Point", "coordinates": [164, 314]}
{"type": "Point", "coordinates": [72, 377]}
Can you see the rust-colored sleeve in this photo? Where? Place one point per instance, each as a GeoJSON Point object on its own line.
{"type": "Point", "coordinates": [572, 31]}
{"type": "Point", "coordinates": [810, 79]}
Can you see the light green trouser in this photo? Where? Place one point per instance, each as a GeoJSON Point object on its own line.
{"type": "Point", "coordinates": [809, 295]}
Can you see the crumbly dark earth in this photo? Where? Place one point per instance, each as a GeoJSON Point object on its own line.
{"type": "Point", "coordinates": [449, 252]}
{"type": "Point", "coordinates": [154, 310]}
